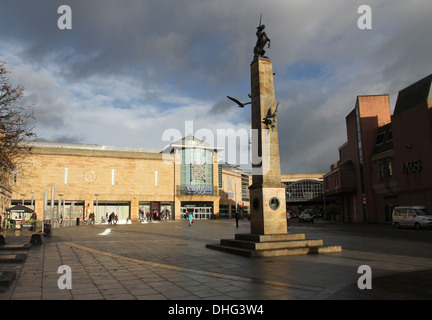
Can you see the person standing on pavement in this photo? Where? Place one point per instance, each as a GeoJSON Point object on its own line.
{"type": "Point", "coordinates": [237, 218]}
{"type": "Point", "coordinates": [190, 218]}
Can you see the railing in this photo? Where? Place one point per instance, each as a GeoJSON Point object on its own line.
{"type": "Point", "coordinates": [57, 223]}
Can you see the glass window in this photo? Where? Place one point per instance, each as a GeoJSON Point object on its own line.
{"type": "Point", "coordinates": [304, 190]}
{"type": "Point", "coordinates": [196, 167]}
{"type": "Point", "coordinates": [380, 138]}
{"type": "Point", "coordinates": [389, 168]}
{"type": "Point", "coordinates": [381, 170]}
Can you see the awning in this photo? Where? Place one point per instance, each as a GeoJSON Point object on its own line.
{"type": "Point", "coordinates": [19, 208]}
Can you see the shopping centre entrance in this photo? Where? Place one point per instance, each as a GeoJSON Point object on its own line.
{"type": "Point", "coordinates": [201, 210]}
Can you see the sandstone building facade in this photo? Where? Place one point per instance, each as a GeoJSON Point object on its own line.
{"type": "Point", "coordinates": [80, 179]}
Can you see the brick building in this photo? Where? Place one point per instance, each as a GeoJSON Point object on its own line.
{"type": "Point", "coordinates": [412, 140]}
{"type": "Point", "coordinates": [386, 160]}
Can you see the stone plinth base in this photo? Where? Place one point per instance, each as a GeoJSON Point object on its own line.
{"type": "Point", "coordinates": [256, 245]}
{"type": "Point", "coordinates": [268, 210]}
{"type": "Point", "coordinates": [6, 278]}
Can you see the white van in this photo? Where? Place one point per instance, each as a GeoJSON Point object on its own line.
{"type": "Point", "coordinates": [416, 217]}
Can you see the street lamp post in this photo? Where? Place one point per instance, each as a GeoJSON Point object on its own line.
{"type": "Point", "coordinates": [235, 167]}
{"type": "Point", "coordinates": [59, 212]}
{"type": "Point", "coordinates": [97, 206]}
{"type": "Point", "coordinates": [32, 199]}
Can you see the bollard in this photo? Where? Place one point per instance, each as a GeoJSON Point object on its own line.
{"type": "Point", "coordinates": [47, 230]}
{"type": "Point", "coordinates": [36, 238]}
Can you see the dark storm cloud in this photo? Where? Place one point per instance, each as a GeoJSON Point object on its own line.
{"type": "Point", "coordinates": [158, 41]}
{"type": "Point", "coordinates": [140, 67]}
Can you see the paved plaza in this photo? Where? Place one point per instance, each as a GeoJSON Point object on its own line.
{"type": "Point", "coordinates": [168, 260]}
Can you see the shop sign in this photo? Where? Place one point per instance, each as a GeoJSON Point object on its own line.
{"type": "Point", "coordinates": [220, 175]}
{"type": "Point", "coordinates": [411, 167]}
{"type": "Point", "coordinates": [199, 189]}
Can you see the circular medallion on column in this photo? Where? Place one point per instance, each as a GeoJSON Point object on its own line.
{"type": "Point", "coordinates": [274, 203]}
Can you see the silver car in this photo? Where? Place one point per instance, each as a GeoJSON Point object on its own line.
{"type": "Point", "coordinates": [306, 216]}
{"type": "Point", "coordinates": [415, 216]}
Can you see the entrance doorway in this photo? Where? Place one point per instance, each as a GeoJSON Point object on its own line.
{"type": "Point", "coordinates": [103, 209]}
{"type": "Point", "coordinates": [200, 210]}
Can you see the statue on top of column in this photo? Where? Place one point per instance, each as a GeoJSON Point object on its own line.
{"type": "Point", "coordinates": [261, 41]}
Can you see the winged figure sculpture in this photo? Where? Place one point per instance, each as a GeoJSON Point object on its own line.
{"type": "Point", "coordinates": [270, 119]}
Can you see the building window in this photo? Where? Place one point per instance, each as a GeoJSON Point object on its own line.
{"type": "Point", "coordinates": [229, 184]}
{"type": "Point", "coordinates": [381, 170]}
{"type": "Point", "coordinates": [385, 169]}
{"type": "Point", "coordinates": [390, 135]}
{"type": "Point", "coordinates": [389, 168]}
{"type": "Point", "coordinates": [380, 138]}
{"type": "Point", "coordinates": [196, 167]}
{"type": "Point", "coordinates": [113, 177]}
{"type": "Point", "coordinates": [245, 187]}
{"type": "Point", "coordinates": [66, 176]}
{"type": "Point", "coordinates": [304, 190]}
{"type": "Point", "coordinates": [156, 178]}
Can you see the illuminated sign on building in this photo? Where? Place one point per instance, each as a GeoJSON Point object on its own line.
{"type": "Point", "coordinates": [197, 190]}
{"type": "Point", "coordinates": [200, 189]}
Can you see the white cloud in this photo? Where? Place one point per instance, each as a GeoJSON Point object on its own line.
{"type": "Point", "coordinates": [125, 74]}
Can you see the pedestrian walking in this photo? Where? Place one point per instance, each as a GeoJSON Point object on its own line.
{"type": "Point", "coordinates": [190, 218]}
{"type": "Point", "coordinates": [116, 219]}
{"type": "Point", "coordinates": [237, 218]}
{"type": "Point", "coordinates": [111, 217]}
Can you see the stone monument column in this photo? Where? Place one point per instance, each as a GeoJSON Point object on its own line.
{"type": "Point", "coordinates": [269, 234]}
{"type": "Point", "coordinates": [267, 193]}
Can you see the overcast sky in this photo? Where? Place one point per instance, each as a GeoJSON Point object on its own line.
{"type": "Point", "coordinates": [131, 72]}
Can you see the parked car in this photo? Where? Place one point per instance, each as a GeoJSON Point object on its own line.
{"type": "Point", "coordinates": [411, 216]}
{"type": "Point", "coordinates": [306, 216]}
{"type": "Point", "coordinates": [293, 215]}
{"type": "Point", "coordinates": [415, 216]}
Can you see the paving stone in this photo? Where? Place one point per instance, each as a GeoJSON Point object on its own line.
{"type": "Point", "coordinates": [142, 262]}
